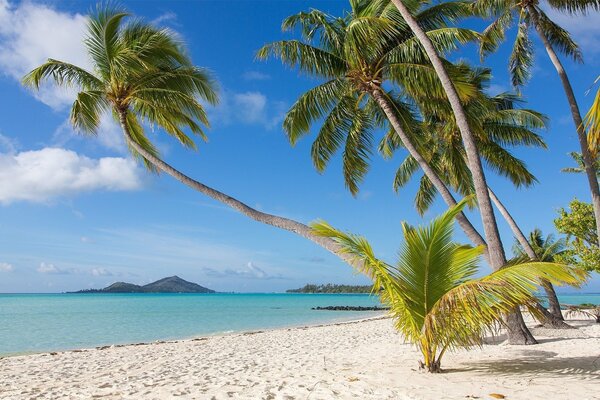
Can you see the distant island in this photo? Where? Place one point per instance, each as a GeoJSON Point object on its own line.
{"type": "Point", "coordinates": [331, 288]}
{"type": "Point", "coordinates": [171, 284]}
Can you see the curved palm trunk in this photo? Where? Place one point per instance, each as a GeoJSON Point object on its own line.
{"type": "Point", "coordinates": [269, 219]}
{"type": "Point", "coordinates": [554, 318]}
{"type": "Point", "coordinates": [517, 330]}
{"type": "Point", "coordinates": [383, 102]}
{"type": "Point", "coordinates": [588, 160]}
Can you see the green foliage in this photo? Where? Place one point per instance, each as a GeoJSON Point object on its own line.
{"type": "Point", "coordinates": [353, 56]}
{"type": "Point", "coordinates": [547, 249]}
{"type": "Point", "coordinates": [497, 122]}
{"type": "Point", "coordinates": [579, 224]}
{"type": "Point", "coordinates": [141, 75]}
{"type": "Point", "coordinates": [332, 288]}
{"type": "Point", "coordinates": [580, 168]}
{"type": "Point", "coordinates": [436, 301]}
{"type": "Point", "coordinates": [527, 16]}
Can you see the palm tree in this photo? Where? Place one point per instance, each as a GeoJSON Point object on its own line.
{"type": "Point", "coordinates": [580, 168]}
{"type": "Point", "coordinates": [547, 250]}
{"type": "Point", "coordinates": [433, 295]}
{"type": "Point", "coordinates": [356, 54]}
{"type": "Point", "coordinates": [592, 122]}
{"type": "Point", "coordinates": [530, 14]}
{"type": "Point", "coordinates": [352, 102]}
{"type": "Point", "coordinates": [517, 330]}
{"type": "Point", "coordinates": [141, 74]}
{"type": "Point", "coordinates": [496, 122]}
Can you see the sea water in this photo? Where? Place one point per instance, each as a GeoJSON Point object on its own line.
{"type": "Point", "coordinates": [46, 322]}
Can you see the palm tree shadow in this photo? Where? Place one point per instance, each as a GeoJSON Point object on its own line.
{"type": "Point", "coordinates": [538, 363]}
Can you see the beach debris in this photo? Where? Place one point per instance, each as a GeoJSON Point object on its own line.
{"type": "Point", "coordinates": [353, 379]}
{"type": "Point", "coordinates": [497, 396]}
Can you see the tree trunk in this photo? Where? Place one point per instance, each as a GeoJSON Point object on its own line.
{"type": "Point", "coordinates": [269, 219]}
{"type": "Point", "coordinates": [554, 318]}
{"type": "Point", "coordinates": [517, 331]}
{"type": "Point", "coordinates": [383, 102]}
{"type": "Point", "coordinates": [588, 160]}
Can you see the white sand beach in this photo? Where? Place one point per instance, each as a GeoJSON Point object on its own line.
{"type": "Point", "coordinates": [358, 360]}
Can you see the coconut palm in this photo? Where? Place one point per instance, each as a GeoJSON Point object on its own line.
{"type": "Point", "coordinates": [355, 52]}
{"type": "Point", "coordinates": [592, 123]}
{"type": "Point", "coordinates": [580, 168]}
{"type": "Point", "coordinates": [517, 331]}
{"type": "Point", "coordinates": [352, 102]}
{"type": "Point", "coordinates": [433, 295]}
{"type": "Point", "coordinates": [142, 75]}
{"type": "Point", "coordinates": [497, 122]}
{"type": "Point", "coordinates": [531, 15]}
{"type": "Point", "coordinates": [546, 249]}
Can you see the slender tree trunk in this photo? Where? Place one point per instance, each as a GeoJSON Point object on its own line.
{"type": "Point", "coordinates": [588, 160]}
{"type": "Point", "coordinates": [517, 330]}
{"type": "Point", "coordinates": [384, 103]}
{"type": "Point", "coordinates": [269, 219]}
{"type": "Point", "coordinates": [554, 318]}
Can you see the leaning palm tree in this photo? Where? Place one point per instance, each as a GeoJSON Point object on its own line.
{"type": "Point", "coordinates": [530, 15]}
{"type": "Point", "coordinates": [355, 55]}
{"type": "Point", "coordinates": [433, 295]}
{"type": "Point", "coordinates": [142, 75]}
{"type": "Point", "coordinates": [351, 102]}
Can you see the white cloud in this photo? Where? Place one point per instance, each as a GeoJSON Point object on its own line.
{"type": "Point", "coordinates": [251, 108]}
{"type": "Point", "coordinates": [585, 29]}
{"type": "Point", "coordinates": [101, 272]}
{"type": "Point", "coordinates": [7, 144]}
{"type": "Point", "coordinates": [109, 132]}
{"type": "Point", "coordinates": [168, 17]}
{"type": "Point", "coordinates": [250, 271]}
{"type": "Point", "coordinates": [30, 33]}
{"type": "Point", "coordinates": [6, 267]}
{"type": "Point", "coordinates": [47, 268]}
{"type": "Point", "coordinates": [41, 175]}
{"type": "Point", "coordinates": [255, 76]}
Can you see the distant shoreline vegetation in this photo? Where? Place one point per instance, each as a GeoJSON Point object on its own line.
{"type": "Point", "coordinates": [331, 288]}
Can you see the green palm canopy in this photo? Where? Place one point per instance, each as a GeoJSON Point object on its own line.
{"type": "Point", "coordinates": [353, 56]}
{"type": "Point", "coordinates": [434, 297]}
{"type": "Point", "coordinates": [141, 74]}
{"type": "Point", "coordinates": [498, 123]}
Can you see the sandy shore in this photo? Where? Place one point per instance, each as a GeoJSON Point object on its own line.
{"type": "Point", "coordinates": [360, 360]}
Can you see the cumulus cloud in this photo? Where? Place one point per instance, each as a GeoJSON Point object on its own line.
{"type": "Point", "coordinates": [250, 108]}
{"type": "Point", "coordinates": [6, 267]}
{"type": "Point", "coordinates": [47, 268]}
{"type": "Point", "coordinates": [41, 175]}
{"type": "Point", "coordinates": [30, 33]}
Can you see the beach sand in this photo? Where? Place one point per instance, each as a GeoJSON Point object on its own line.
{"type": "Point", "coordinates": [359, 360]}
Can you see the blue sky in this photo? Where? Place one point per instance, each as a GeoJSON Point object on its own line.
{"type": "Point", "coordinates": [77, 212]}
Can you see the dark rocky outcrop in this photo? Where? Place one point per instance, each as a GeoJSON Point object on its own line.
{"type": "Point", "coordinates": [351, 308]}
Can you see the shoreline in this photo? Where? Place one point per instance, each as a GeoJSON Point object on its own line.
{"type": "Point", "coordinates": [363, 358]}
{"type": "Point", "coordinates": [193, 337]}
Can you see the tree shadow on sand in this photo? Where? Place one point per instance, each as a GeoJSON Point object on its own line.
{"type": "Point", "coordinates": [538, 363]}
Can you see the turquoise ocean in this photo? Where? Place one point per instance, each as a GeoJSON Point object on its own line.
{"type": "Point", "coordinates": [46, 322]}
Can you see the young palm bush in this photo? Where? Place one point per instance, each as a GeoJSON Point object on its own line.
{"type": "Point", "coordinates": [434, 297]}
